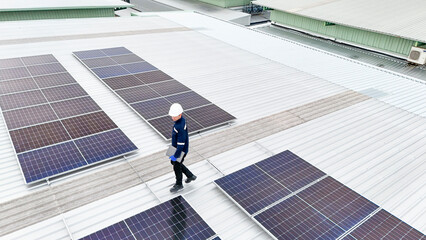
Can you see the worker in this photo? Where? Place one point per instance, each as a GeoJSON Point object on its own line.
{"type": "Point", "coordinates": [180, 141]}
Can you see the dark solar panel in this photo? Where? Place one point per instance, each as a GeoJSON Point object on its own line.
{"type": "Point", "coordinates": [383, 225]}
{"type": "Point", "coordinates": [169, 87]}
{"type": "Point", "coordinates": [118, 231]}
{"type": "Point", "coordinates": [164, 125]}
{"type": "Point", "coordinates": [116, 51]}
{"type": "Point", "coordinates": [137, 94]}
{"type": "Point", "coordinates": [13, 73]}
{"type": "Point", "coordinates": [88, 124]}
{"type": "Point", "coordinates": [123, 82]}
{"type": "Point", "coordinates": [210, 115]}
{"type": "Point", "coordinates": [295, 219]}
{"type": "Point", "coordinates": [45, 162]}
{"type": "Point", "coordinates": [54, 80]}
{"type": "Point", "coordinates": [252, 189]}
{"type": "Point", "coordinates": [339, 203]}
{"type": "Point", "coordinates": [11, 63]}
{"type": "Point", "coordinates": [290, 170]}
{"type": "Point", "coordinates": [188, 100]}
{"type": "Point", "coordinates": [99, 62]}
{"type": "Point", "coordinates": [29, 116]}
{"type": "Point", "coordinates": [216, 238]}
{"type": "Point", "coordinates": [17, 85]}
{"type": "Point", "coordinates": [64, 92]}
{"type": "Point", "coordinates": [89, 54]}
{"type": "Point", "coordinates": [24, 99]}
{"type": "Point", "coordinates": [111, 71]}
{"type": "Point", "coordinates": [153, 77]}
{"type": "Point", "coordinates": [39, 59]}
{"type": "Point", "coordinates": [74, 107]}
{"type": "Point", "coordinates": [105, 145]}
{"type": "Point", "coordinates": [138, 67]}
{"type": "Point", "coordinates": [29, 138]}
{"type": "Point", "coordinates": [123, 59]}
{"type": "Point", "coordinates": [152, 108]}
{"type": "Point", "coordinates": [174, 219]}
{"type": "Point", "coordinates": [46, 69]}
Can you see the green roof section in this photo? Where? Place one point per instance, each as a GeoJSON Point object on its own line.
{"type": "Point", "coordinates": [41, 5]}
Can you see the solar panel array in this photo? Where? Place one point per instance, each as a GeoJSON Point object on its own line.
{"type": "Point", "coordinates": [174, 219]}
{"type": "Point", "coordinates": [54, 125]}
{"type": "Point", "coordinates": [294, 200]}
{"type": "Point", "coordinates": [150, 92]}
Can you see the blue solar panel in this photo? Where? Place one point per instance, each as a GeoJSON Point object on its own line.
{"type": "Point", "coordinates": [295, 219]}
{"type": "Point", "coordinates": [90, 54]}
{"type": "Point", "coordinates": [50, 161]}
{"type": "Point", "coordinates": [105, 145]}
{"type": "Point", "coordinates": [117, 231]}
{"type": "Point", "coordinates": [116, 51]}
{"type": "Point", "coordinates": [110, 71]}
{"type": "Point", "coordinates": [290, 170]}
{"type": "Point", "coordinates": [138, 67]}
{"type": "Point", "coordinates": [252, 189]}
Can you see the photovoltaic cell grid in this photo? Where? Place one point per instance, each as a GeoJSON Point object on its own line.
{"type": "Point", "coordinates": [149, 91]}
{"type": "Point", "coordinates": [54, 125]}
{"type": "Point", "coordinates": [174, 219]}
{"type": "Point", "coordinates": [326, 209]}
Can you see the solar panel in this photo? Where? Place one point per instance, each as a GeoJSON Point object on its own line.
{"type": "Point", "coordinates": [55, 127]}
{"type": "Point", "coordinates": [290, 170]}
{"type": "Point", "coordinates": [150, 92]}
{"type": "Point", "coordinates": [174, 219]}
{"type": "Point", "coordinates": [252, 189]}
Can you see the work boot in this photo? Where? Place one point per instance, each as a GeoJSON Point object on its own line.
{"type": "Point", "coordinates": [176, 188]}
{"type": "Point", "coordinates": [188, 180]}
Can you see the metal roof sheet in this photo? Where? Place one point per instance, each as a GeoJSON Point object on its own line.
{"type": "Point", "coordinates": [34, 5]}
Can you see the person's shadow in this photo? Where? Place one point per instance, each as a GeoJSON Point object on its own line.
{"type": "Point", "coordinates": [178, 219]}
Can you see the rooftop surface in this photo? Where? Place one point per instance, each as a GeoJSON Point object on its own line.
{"type": "Point", "coordinates": [359, 123]}
{"type": "Point", "coordinates": [22, 5]}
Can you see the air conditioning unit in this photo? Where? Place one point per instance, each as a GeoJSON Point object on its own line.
{"type": "Point", "coordinates": [417, 55]}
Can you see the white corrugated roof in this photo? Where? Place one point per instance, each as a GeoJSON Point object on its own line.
{"type": "Point", "coordinates": [392, 17]}
{"type": "Point", "coordinates": [23, 5]}
{"type": "Point", "coordinates": [376, 147]}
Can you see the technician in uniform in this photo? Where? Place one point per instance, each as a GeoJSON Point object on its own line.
{"type": "Point", "coordinates": [180, 141]}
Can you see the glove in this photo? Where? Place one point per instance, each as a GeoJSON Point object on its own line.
{"type": "Point", "coordinates": [172, 158]}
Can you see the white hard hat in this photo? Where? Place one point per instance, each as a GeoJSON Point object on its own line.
{"type": "Point", "coordinates": [175, 110]}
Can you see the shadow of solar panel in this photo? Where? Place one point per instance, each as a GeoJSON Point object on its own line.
{"type": "Point", "coordinates": [164, 125]}
{"type": "Point", "coordinates": [153, 77]}
{"type": "Point", "coordinates": [13, 73]}
{"type": "Point", "coordinates": [130, 58]}
{"type": "Point", "coordinates": [46, 69]}
{"type": "Point", "coordinates": [88, 124]}
{"type": "Point", "coordinates": [210, 115]}
{"type": "Point", "coordinates": [137, 94]}
{"type": "Point", "coordinates": [295, 219]}
{"type": "Point", "coordinates": [138, 67]}
{"type": "Point", "coordinates": [152, 108]}
{"type": "Point", "coordinates": [339, 203]}
{"type": "Point", "coordinates": [64, 92]}
{"type": "Point", "coordinates": [105, 146]}
{"type": "Point", "coordinates": [29, 116]}
{"type": "Point", "coordinates": [25, 139]}
{"type": "Point", "coordinates": [17, 85]}
{"type": "Point", "coordinates": [252, 189]}
{"type": "Point", "coordinates": [174, 219]}
{"type": "Point", "coordinates": [169, 87]}
{"type": "Point", "coordinates": [116, 231]}
{"type": "Point", "coordinates": [290, 170]}
{"type": "Point", "coordinates": [383, 225]}
{"type": "Point", "coordinates": [54, 80]}
{"type": "Point", "coordinates": [188, 100]}
{"type": "Point", "coordinates": [24, 99]}
{"type": "Point", "coordinates": [116, 51]}
{"type": "Point", "coordinates": [89, 54]}
{"type": "Point", "coordinates": [11, 63]}
{"type": "Point", "coordinates": [50, 161]}
{"type": "Point", "coordinates": [99, 62]}
{"type": "Point", "coordinates": [39, 59]}
{"type": "Point", "coordinates": [74, 107]}
{"type": "Point", "coordinates": [111, 71]}
{"type": "Point", "coordinates": [123, 82]}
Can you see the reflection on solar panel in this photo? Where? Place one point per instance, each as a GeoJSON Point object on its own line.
{"type": "Point", "coordinates": [55, 127]}
{"type": "Point", "coordinates": [174, 219]}
{"type": "Point", "coordinates": [150, 92]}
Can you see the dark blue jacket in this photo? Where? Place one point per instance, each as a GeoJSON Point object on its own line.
{"type": "Point", "coordinates": [180, 138]}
